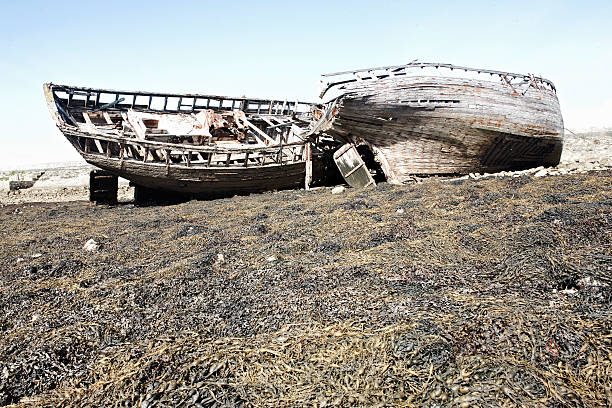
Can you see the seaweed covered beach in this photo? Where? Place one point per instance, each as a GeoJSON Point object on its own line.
{"type": "Point", "coordinates": [488, 292]}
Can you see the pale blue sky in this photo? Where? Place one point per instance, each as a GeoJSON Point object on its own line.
{"type": "Point", "coordinates": [278, 49]}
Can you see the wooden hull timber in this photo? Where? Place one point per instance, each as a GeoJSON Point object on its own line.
{"type": "Point", "coordinates": [256, 150]}
{"type": "Point", "coordinates": [421, 121]}
{"type": "Point", "coordinates": [205, 182]}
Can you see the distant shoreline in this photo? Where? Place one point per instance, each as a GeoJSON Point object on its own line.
{"type": "Point", "coordinates": [77, 164]}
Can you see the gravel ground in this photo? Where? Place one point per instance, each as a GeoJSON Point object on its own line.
{"type": "Point", "coordinates": [62, 183]}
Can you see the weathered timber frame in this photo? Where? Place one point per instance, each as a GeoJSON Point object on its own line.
{"type": "Point", "coordinates": [108, 99]}
{"type": "Point", "coordinates": [269, 156]}
{"type": "Point", "coordinates": [443, 119]}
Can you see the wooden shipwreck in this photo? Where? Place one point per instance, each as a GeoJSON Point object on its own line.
{"type": "Point", "coordinates": [199, 145]}
{"type": "Point", "coordinates": [395, 122]}
{"type": "Point", "coordinates": [428, 118]}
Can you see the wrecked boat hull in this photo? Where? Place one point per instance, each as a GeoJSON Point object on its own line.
{"type": "Point", "coordinates": [425, 125]}
{"type": "Point", "coordinates": [207, 183]}
{"type": "Point", "coordinates": [216, 149]}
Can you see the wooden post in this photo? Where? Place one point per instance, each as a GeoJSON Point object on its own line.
{"type": "Point", "coordinates": [121, 155]}
{"type": "Point", "coordinates": [308, 178]}
{"type": "Point", "coordinates": [103, 187]}
{"type": "Point", "coordinates": [167, 161]}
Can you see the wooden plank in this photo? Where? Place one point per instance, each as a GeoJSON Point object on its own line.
{"type": "Point", "coordinates": [268, 121]}
{"type": "Point", "coordinates": [259, 131]}
{"type": "Point", "coordinates": [352, 167]}
{"type": "Point", "coordinates": [167, 151]}
{"type": "Point", "coordinates": [359, 166]}
{"type": "Point", "coordinates": [308, 176]}
{"type": "Point", "coordinates": [99, 146]}
{"type": "Point", "coordinates": [87, 119]}
{"type": "Point", "coordinates": [107, 118]}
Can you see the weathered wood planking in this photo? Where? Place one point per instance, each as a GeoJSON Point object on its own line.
{"type": "Point", "coordinates": [423, 124]}
{"type": "Point", "coordinates": [352, 167]}
{"type": "Point", "coordinates": [200, 166]}
{"type": "Point", "coordinates": [207, 182]}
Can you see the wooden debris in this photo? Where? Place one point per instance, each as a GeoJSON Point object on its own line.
{"type": "Point", "coordinates": [103, 187]}
{"type": "Point", "coordinates": [352, 167]}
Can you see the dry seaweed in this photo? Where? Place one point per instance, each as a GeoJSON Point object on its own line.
{"type": "Point", "coordinates": [493, 292]}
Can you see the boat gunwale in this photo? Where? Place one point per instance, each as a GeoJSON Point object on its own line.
{"type": "Point", "coordinates": [396, 70]}
{"type": "Point", "coordinates": [66, 88]}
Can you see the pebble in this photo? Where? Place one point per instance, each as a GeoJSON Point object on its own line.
{"type": "Point", "coordinates": [271, 258]}
{"type": "Point", "coordinates": [91, 245]}
{"type": "Point", "coordinates": [541, 173]}
{"type": "Point", "coordinates": [400, 211]}
{"type": "Point", "coordinates": [338, 190]}
{"type": "Point", "coordinates": [220, 259]}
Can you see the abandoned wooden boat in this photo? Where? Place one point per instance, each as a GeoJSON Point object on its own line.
{"type": "Point", "coordinates": [427, 118]}
{"type": "Point", "coordinates": [200, 145]}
